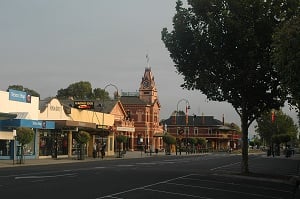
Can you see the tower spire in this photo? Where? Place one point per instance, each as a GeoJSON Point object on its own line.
{"type": "Point", "coordinates": [147, 58]}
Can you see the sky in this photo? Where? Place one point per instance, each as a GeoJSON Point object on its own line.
{"type": "Point", "coordinates": [46, 45]}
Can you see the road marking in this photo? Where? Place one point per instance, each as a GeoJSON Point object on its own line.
{"type": "Point", "coordinates": [223, 190]}
{"type": "Point", "coordinates": [125, 165]}
{"type": "Point", "coordinates": [114, 195]}
{"type": "Point", "coordinates": [147, 163]}
{"type": "Point", "coordinates": [41, 177]}
{"type": "Point", "coordinates": [235, 184]}
{"type": "Point", "coordinates": [227, 165]}
{"type": "Point", "coordinates": [178, 194]}
{"type": "Point", "coordinates": [99, 167]}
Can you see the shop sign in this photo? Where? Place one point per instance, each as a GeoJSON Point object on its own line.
{"type": "Point", "coordinates": [127, 129]}
{"type": "Point", "coordinates": [84, 104]}
{"type": "Point", "coordinates": [19, 96]}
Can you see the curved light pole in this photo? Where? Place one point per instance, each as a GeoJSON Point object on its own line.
{"type": "Point", "coordinates": [187, 106]}
{"type": "Point", "coordinates": [103, 99]}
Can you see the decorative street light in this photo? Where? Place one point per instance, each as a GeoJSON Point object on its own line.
{"type": "Point", "coordinates": [187, 106]}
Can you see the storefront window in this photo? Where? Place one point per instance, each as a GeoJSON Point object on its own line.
{"type": "Point", "coordinates": [29, 148]}
{"type": "Point", "coordinates": [53, 143]}
{"type": "Point", "coordinates": [5, 147]}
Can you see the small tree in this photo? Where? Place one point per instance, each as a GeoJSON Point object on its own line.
{"type": "Point", "coordinates": [24, 136]}
{"type": "Point", "coordinates": [121, 139]}
{"type": "Point", "coordinates": [82, 139]}
{"type": "Point", "coordinates": [169, 140]}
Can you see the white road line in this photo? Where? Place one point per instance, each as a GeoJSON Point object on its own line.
{"type": "Point", "coordinates": [99, 167]}
{"type": "Point", "coordinates": [125, 165]}
{"type": "Point", "coordinates": [223, 190]}
{"type": "Point", "coordinates": [227, 165]}
{"type": "Point", "coordinates": [139, 188]}
{"type": "Point", "coordinates": [178, 194]}
{"type": "Point", "coordinates": [146, 163]}
{"type": "Point", "coordinates": [237, 184]}
{"type": "Point", "coordinates": [41, 177]}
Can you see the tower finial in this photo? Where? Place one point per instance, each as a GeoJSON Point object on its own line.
{"type": "Point", "coordinates": [147, 57]}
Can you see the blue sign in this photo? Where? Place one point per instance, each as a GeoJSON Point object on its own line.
{"type": "Point", "coordinates": [19, 96]}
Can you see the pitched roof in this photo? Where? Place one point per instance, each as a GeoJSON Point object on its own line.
{"type": "Point", "coordinates": [132, 100]}
{"type": "Point", "coordinates": [105, 106]}
{"type": "Point", "coordinates": [193, 121]}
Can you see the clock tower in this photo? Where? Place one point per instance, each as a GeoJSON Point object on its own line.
{"type": "Point", "coordinates": [148, 91]}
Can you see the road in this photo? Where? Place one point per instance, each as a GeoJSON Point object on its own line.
{"type": "Point", "coordinates": [207, 176]}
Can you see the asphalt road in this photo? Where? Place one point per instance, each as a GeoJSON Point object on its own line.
{"type": "Point", "coordinates": [210, 176]}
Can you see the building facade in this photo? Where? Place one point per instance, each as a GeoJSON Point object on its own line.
{"type": "Point", "coordinates": [25, 109]}
{"type": "Point", "coordinates": [143, 108]}
{"type": "Point", "coordinates": [217, 135]}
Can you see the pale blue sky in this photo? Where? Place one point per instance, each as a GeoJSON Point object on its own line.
{"type": "Point", "coordinates": [46, 45]}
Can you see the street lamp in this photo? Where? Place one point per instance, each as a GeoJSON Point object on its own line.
{"type": "Point", "coordinates": [103, 99]}
{"type": "Point", "coordinates": [187, 106]}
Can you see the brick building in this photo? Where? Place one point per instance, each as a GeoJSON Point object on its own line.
{"type": "Point", "coordinates": [217, 135]}
{"type": "Point", "coordinates": [144, 108]}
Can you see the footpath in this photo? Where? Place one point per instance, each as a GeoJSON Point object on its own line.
{"type": "Point", "coordinates": [65, 160]}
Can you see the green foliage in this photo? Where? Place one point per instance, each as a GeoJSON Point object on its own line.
{"type": "Point", "coordinates": [192, 141]}
{"type": "Point", "coordinates": [201, 141]}
{"type": "Point", "coordinates": [82, 90]}
{"type": "Point", "coordinates": [100, 94]}
{"type": "Point", "coordinates": [27, 90]}
{"type": "Point", "coordinates": [281, 138]}
{"type": "Point", "coordinates": [286, 57]}
{"type": "Point", "coordinates": [82, 137]}
{"type": "Point", "coordinates": [169, 139]}
{"type": "Point", "coordinates": [78, 90]}
{"type": "Point", "coordinates": [24, 135]}
{"type": "Point", "coordinates": [121, 138]}
{"type": "Point", "coordinates": [222, 48]}
{"type": "Point", "coordinates": [283, 125]}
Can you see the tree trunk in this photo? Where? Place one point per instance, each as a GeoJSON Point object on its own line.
{"type": "Point", "coordinates": [244, 165]}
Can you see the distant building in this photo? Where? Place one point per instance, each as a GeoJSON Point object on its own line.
{"type": "Point", "coordinates": [144, 108]}
{"type": "Point", "coordinates": [217, 136]}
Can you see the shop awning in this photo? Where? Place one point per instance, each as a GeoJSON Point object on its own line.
{"type": "Point", "coordinates": [37, 124]}
{"type": "Point", "coordinates": [69, 123]}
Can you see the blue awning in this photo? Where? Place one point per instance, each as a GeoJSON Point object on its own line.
{"type": "Point", "coordinates": [37, 124]}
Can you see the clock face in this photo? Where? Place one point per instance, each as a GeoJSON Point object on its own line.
{"type": "Point", "coordinates": [146, 84]}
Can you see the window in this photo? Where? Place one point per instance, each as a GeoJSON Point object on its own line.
{"type": "Point", "coordinates": [195, 131]}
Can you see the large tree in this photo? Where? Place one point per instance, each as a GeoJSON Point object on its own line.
{"type": "Point", "coordinates": [286, 56]}
{"type": "Point", "coordinates": [82, 90]}
{"type": "Point", "coordinates": [222, 48]}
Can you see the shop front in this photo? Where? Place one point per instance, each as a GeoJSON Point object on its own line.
{"type": "Point", "coordinates": [9, 143]}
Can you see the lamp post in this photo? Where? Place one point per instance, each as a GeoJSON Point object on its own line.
{"type": "Point", "coordinates": [103, 99]}
{"type": "Point", "coordinates": [187, 106]}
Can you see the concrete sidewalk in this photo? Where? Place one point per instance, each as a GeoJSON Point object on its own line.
{"type": "Point", "coordinates": [47, 161]}
{"type": "Point", "coordinates": [128, 155]}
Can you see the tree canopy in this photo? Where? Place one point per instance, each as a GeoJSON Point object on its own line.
{"type": "Point", "coordinates": [281, 125]}
{"type": "Point", "coordinates": [223, 49]}
{"type": "Point", "coordinates": [286, 57]}
{"type": "Point", "coordinates": [82, 90]}
{"type": "Point", "coordinates": [82, 137]}
{"type": "Point", "coordinates": [24, 135]}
